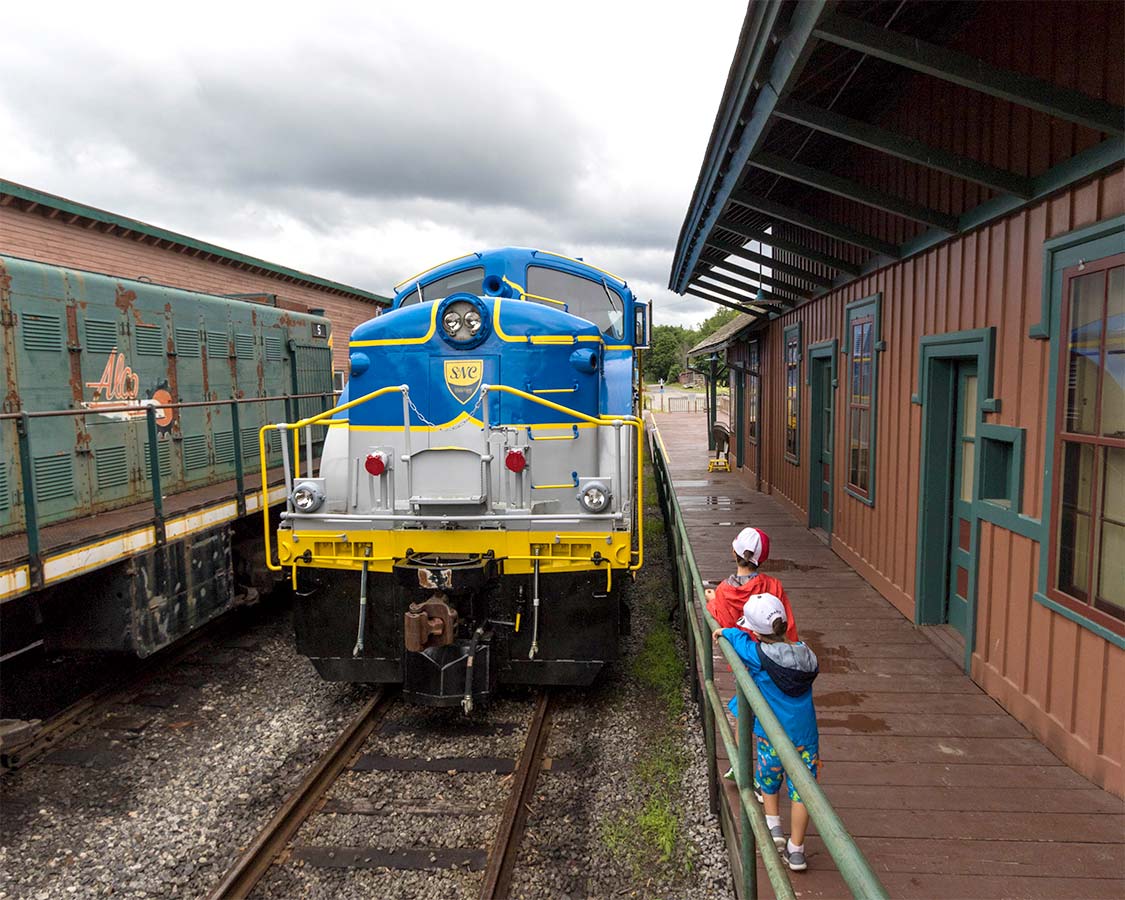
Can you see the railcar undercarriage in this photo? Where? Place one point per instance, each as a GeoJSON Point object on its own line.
{"type": "Point", "coordinates": [449, 629]}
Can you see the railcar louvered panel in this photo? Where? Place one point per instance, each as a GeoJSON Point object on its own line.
{"type": "Point", "coordinates": [244, 346]}
{"type": "Point", "coordinates": [5, 503]}
{"type": "Point", "coordinates": [187, 342]}
{"type": "Point", "coordinates": [41, 332]}
{"type": "Point", "coordinates": [195, 451]}
{"type": "Point", "coordinates": [163, 455]}
{"type": "Point", "coordinates": [101, 335]}
{"type": "Point", "coordinates": [274, 351]}
{"type": "Point", "coordinates": [111, 467]}
{"type": "Point", "coordinates": [54, 477]}
{"type": "Point", "coordinates": [149, 340]}
{"type": "Point", "coordinates": [218, 345]}
{"type": "Point", "coordinates": [224, 447]}
{"type": "Point", "coordinates": [250, 449]}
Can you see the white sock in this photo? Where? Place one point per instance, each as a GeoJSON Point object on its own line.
{"type": "Point", "coordinates": [773, 821]}
{"type": "Point", "coordinates": [794, 848]}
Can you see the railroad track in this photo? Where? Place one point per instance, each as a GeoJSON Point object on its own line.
{"type": "Point", "coordinates": [93, 706]}
{"type": "Point", "coordinates": [275, 844]}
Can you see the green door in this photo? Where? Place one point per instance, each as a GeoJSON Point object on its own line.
{"type": "Point", "coordinates": [820, 460]}
{"type": "Point", "coordinates": [964, 470]}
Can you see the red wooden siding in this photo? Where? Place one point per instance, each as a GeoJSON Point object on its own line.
{"type": "Point", "coordinates": [1065, 683]}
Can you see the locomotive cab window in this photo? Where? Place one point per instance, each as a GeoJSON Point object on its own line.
{"type": "Point", "coordinates": [594, 301]}
{"type": "Point", "coordinates": [469, 280]}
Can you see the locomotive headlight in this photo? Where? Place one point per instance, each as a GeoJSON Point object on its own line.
{"type": "Point", "coordinates": [451, 322]}
{"type": "Point", "coordinates": [307, 496]}
{"type": "Point", "coordinates": [472, 320]}
{"type": "Point", "coordinates": [595, 497]}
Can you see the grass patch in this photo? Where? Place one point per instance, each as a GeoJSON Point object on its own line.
{"type": "Point", "coordinates": [650, 836]}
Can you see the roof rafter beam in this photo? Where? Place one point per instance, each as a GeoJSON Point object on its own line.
{"type": "Point", "coordinates": [853, 190]}
{"type": "Point", "coordinates": [750, 293]}
{"type": "Point", "coordinates": [843, 233]}
{"type": "Point", "coordinates": [748, 310]}
{"type": "Point", "coordinates": [789, 60]}
{"type": "Point", "coordinates": [768, 261]}
{"type": "Point", "coordinates": [755, 234]}
{"type": "Point", "coordinates": [903, 147]}
{"type": "Point", "coordinates": [768, 282]}
{"type": "Point", "coordinates": [970, 72]}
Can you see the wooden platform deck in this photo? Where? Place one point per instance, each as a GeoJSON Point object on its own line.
{"type": "Point", "coordinates": [946, 794]}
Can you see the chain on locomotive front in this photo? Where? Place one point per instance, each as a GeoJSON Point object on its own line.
{"type": "Point", "coordinates": [476, 512]}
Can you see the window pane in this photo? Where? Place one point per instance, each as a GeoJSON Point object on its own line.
{"type": "Point", "coordinates": [1084, 337]}
{"type": "Point", "coordinates": [969, 421]}
{"type": "Point", "coordinates": [471, 280]}
{"type": "Point", "coordinates": [1111, 581]}
{"type": "Point", "coordinates": [968, 467]}
{"type": "Point", "coordinates": [584, 298]}
{"type": "Point", "coordinates": [1113, 381]}
{"type": "Point", "coordinates": [1074, 518]}
{"type": "Point", "coordinates": [1111, 558]}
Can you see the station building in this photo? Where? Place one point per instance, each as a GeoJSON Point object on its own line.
{"type": "Point", "coordinates": [919, 210]}
{"type": "Point", "coordinates": [43, 227]}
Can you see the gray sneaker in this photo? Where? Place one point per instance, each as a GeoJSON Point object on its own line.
{"type": "Point", "coordinates": [778, 837]}
{"type": "Point", "coordinates": [796, 860]}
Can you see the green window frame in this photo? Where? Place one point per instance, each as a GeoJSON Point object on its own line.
{"type": "Point", "coordinates": [1066, 257]}
{"type": "Point", "coordinates": [753, 389]}
{"type": "Point", "coordinates": [791, 343]}
{"type": "Point", "coordinates": [1088, 504]}
{"type": "Point", "coordinates": [862, 343]}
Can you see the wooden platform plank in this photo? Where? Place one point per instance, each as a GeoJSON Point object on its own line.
{"type": "Point", "coordinates": [947, 795]}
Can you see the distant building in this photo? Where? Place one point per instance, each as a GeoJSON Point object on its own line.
{"type": "Point", "coordinates": [929, 372]}
{"type": "Point", "coordinates": [43, 227]}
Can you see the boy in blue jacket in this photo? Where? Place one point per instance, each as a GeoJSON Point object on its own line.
{"type": "Point", "coordinates": [784, 673]}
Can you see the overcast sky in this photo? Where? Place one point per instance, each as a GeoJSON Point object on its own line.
{"type": "Point", "coordinates": [366, 141]}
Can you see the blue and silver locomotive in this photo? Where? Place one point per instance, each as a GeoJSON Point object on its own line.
{"type": "Point", "coordinates": [476, 511]}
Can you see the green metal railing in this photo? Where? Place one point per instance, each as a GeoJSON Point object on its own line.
{"type": "Point", "coordinates": [851, 863]}
{"type": "Point", "coordinates": [23, 421]}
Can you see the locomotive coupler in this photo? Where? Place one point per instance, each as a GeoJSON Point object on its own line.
{"type": "Point", "coordinates": [429, 624]}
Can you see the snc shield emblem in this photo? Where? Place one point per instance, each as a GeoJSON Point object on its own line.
{"type": "Point", "coordinates": [463, 377]}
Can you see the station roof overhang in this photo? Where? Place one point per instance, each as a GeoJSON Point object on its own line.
{"type": "Point", "coordinates": [810, 82]}
{"type": "Point", "coordinates": [724, 336]}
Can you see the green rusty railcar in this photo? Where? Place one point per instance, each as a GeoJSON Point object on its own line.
{"type": "Point", "coordinates": [96, 367]}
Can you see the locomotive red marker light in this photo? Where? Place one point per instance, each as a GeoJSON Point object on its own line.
{"type": "Point", "coordinates": [376, 464]}
{"type": "Point", "coordinates": [515, 461]}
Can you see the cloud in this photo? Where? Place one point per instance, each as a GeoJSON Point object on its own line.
{"type": "Point", "coordinates": [364, 143]}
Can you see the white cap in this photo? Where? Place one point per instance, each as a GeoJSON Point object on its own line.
{"type": "Point", "coordinates": [759, 613]}
{"type": "Point", "coordinates": [752, 543]}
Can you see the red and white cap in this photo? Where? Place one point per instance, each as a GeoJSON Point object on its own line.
{"type": "Point", "coordinates": [752, 544]}
{"type": "Point", "coordinates": [759, 613]}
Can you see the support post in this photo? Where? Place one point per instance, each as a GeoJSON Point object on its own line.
{"type": "Point", "coordinates": [239, 479]}
{"type": "Point", "coordinates": [744, 772]}
{"type": "Point", "coordinates": [30, 505]}
{"type": "Point", "coordinates": [154, 473]}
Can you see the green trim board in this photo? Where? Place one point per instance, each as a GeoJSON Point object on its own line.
{"type": "Point", "coordinates": [795, 457]}
{"type": "Point", "coordinates": [1092, 242]}
{"type": "Point", "coordinates": [98, 215]}
{"type": "Point", "coordinates": [978, 342]}
{"type": "Point", "coordinates": [855, 310]}
{"type": "Point", "coordinates": [1059, 254]}
{"type": "Point", "coordinates": [825, 348]}
{"type": "Point", "coordinates": [821, 350]}
{"type": "Point", "coordinates": [938, 355]}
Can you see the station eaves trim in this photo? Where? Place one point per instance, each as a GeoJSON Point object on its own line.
{"type": "Point", "coordinates": [34, 199]}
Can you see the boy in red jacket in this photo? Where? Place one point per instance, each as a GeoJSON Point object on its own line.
{"type": "Point", "coordinates": [751, 549]}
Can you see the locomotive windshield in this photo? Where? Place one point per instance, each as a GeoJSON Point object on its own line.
{"type": "Point", "coordinates": [471, 280]}
{"type": "Point", "coordinates": [591, 300]}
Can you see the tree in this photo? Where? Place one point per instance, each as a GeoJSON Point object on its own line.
{"type": "Point", "coordinates": [668, 345]}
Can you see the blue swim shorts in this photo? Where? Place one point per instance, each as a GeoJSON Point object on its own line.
{"type": "Point", "coordinates": [770, 774]}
